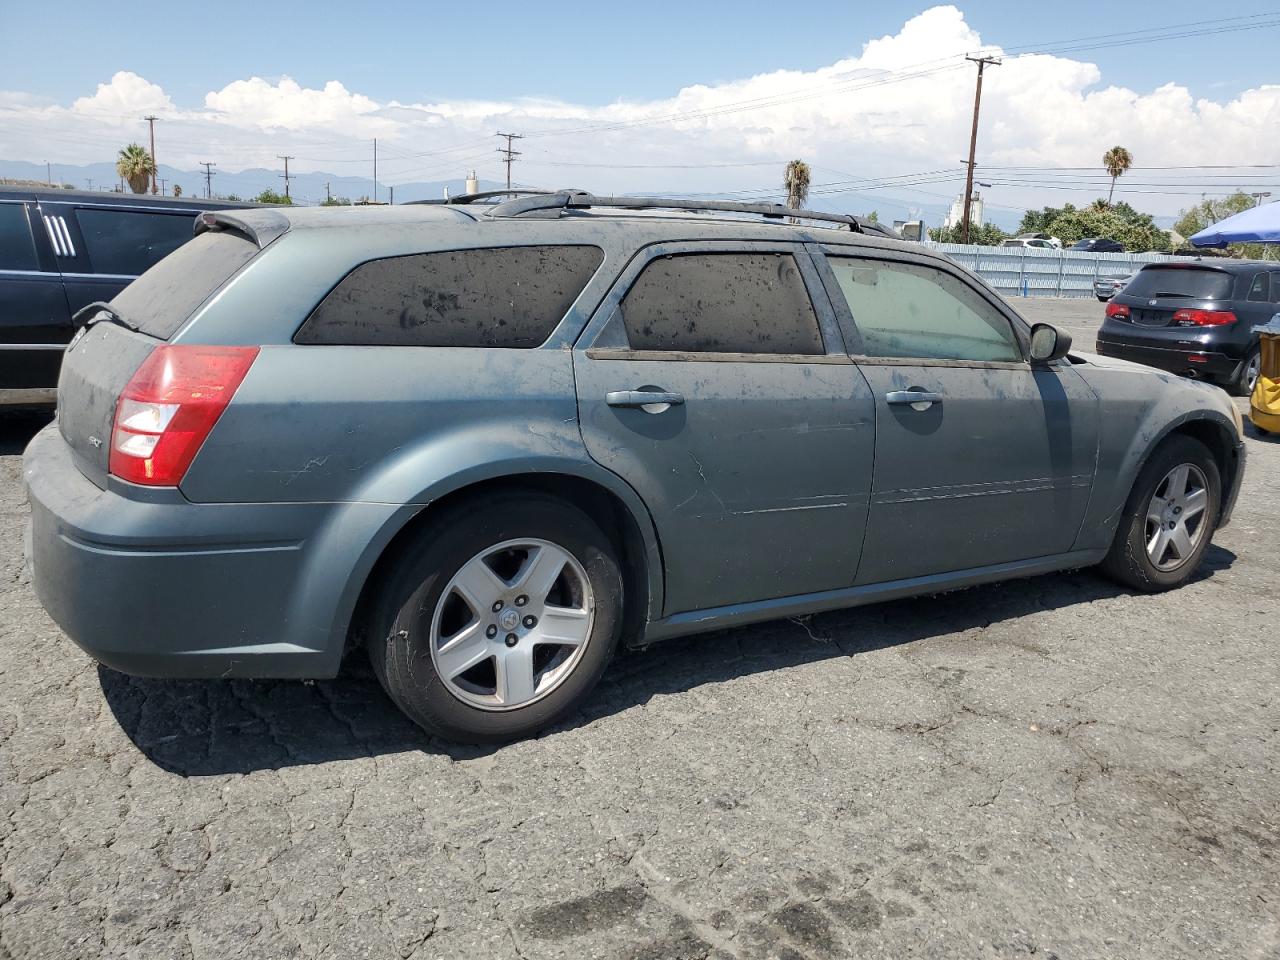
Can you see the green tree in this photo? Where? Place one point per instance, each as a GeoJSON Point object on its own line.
{"type": "Point", "coordinates": [136, 166]}
{"type": "Point", "coordinates": [1206, 212]}
{"type": "Point", "coordinates": [1117, 161]}
{"type": "Point", "coordinates": [795, 180]}
{"type": "Point", "coordinates": [987, 235]}
{"type": "Point", "coordinates": [270, 196]}
{"type": "Point", "coordinates": [336, 202]}
{"type": "Point", "coordinates": [1037, 221]}
{"type": "Point", "coordinates": [1137, 231]}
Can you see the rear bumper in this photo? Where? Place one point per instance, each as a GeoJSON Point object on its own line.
{"type": "Point", "coordinates": [154, 585]}
{"type": "Point", "coordinates": [1215, 366]}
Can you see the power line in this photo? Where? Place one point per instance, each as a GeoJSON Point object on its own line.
{"type": "Point", "coordinates": [286, 172]}
{"type": "Point", "coordinates": [509, 155]}
{"type": "Point", "coordinates": [209, 174]}
{"type": "Point", "coordinates": [151, 122]}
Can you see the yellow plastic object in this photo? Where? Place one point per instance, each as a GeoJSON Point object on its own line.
{"type": "Point", "coordinates": [1264, 402]}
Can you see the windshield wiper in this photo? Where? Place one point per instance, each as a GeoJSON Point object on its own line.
{"type": "Point", "coordinates": [98, 311]}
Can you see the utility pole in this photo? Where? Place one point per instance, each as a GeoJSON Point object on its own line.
{"type": "Point", "coordinates": [392, 198]}
{"type": "Point", "coordinates": [375, 169]}
{"type": "Point", "coordinates": [327, 195]}
{"type": "Point", "coordinates": [48, 173]}
{"type": "Point", "coordinates": [286, 171]}
{"type": "Point", "coordinates": [208, 179]}
{"type": "Point", "coordinates": [508, 154]}
{"type": "Point", "coordinates": [151, 120]}
{"type": "Point", "coordinates": [973, 143]}
{"type": "Point", "coordinates": [89, 180]}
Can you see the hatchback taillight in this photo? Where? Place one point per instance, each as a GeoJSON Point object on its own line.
{"type": "Point", "coordinates": [1117, 311]}
{"type": "Point", "coordinates": [169, 407]}
{"type": "Point", "coordinates": [1204, 318]}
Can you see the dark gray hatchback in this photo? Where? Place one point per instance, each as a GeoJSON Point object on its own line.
{"type": "Point", "coordinates": [489, 442]}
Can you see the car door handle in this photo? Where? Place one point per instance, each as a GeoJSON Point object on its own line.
{"type": "Point", "coordinates": [913, 397]}
{"type": "Point", "coordinates": [643, 398]}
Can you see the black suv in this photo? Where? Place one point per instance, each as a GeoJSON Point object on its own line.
{"type": "Point", "coordinates": [1194, 319]}
{"type": "Point", "coordinates": [61, 250]}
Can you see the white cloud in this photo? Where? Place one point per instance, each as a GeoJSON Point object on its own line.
{"type": "Point", "coordinates": [901, 106]}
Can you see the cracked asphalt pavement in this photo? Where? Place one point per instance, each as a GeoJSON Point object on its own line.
{"type": "Point", "coordinates": [1049, 768]}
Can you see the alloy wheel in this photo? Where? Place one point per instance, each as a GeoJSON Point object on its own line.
{"type": "Point", "coordinates": [1176, 517]}
{"type": "Point", "coordinates": [512, 624]}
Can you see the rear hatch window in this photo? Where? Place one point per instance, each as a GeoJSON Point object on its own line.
{"type": "Point", "coordinates": [162, 299]}
{"type": "Point", "coordinates": [1182, 283]}
{"type": "Point", "coordinates": [98, 366]}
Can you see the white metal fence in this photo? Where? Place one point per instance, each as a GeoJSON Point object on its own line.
{"type": "Point", "coordinates": [1031, 272]}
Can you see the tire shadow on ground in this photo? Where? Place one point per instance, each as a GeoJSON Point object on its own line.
{"type": "Point", "coordinates": [212, 727]}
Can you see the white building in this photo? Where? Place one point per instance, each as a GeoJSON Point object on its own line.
{"type": "Point", "coordinates": [956, 216]}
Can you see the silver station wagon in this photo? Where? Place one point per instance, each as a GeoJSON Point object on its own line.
{"type": "Point", "coordinates": [489, 441]}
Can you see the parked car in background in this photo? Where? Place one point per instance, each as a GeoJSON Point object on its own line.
{"type": "Point", "coordinates": [1098, 245]}
{"type": "Point", "coordinates": [489, 443]}
{"type": "Point", "coordinates": [1195, 319]}
{"type": "Point", "coordinates": [1038, 243]}
{"type": "Point", "coordinates": [61, 250]}
{"type": "Point", "coordinates": [1104, 288]}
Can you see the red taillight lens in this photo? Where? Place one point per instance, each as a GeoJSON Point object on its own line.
{"type": "Point", "coordinates": [1117, 311]}
{"type": "Point", "coordinates": [169, 407]}
{"type": "Point", "coordinates": [1205, 318]}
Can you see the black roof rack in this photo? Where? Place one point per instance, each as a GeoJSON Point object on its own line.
{"type": "Point", "coordinates": [550, 205]}
{"type": "Point", "coordinates": [465, 198]}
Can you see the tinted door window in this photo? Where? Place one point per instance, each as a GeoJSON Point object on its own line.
{"type": "Point", "coordinates": [500, 297]}
{"type": "Point", "coordinates": [129, 243]}
{"type": "Point", "coordinates": [721, 303]}
{"type": "Point", "coordinates": [905, 310]}
{"type": "Point", "coordinates": [1258, 290]}
{"type": "Point", "coordinates": [17, 250]}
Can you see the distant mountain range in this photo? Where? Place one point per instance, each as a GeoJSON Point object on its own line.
{"type": "Point", "coordinates": [311, 188]}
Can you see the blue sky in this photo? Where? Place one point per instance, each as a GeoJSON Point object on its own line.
{"type": "Point", "coordinates": [585, 52]}
{"type": "Point", "coordinates": [687, 98]}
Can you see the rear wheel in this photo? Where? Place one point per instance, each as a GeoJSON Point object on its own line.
{"type": "Point", "coordinates": [1243, 383]}
{"type": "Point", "coordinates": [1168, 519]}
{"type": "Point", "coordinates": [499, 620]}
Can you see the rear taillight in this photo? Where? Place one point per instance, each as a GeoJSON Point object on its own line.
{"type": "Point", "coordinates": [1204, 318]}
{"type": "Point", "coordinates": [1117, 311]}
{"type": "Point", "coordinates": [169, 407]}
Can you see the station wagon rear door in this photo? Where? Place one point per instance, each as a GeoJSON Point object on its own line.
{"type": "Point", "coordinates": [714, 380]}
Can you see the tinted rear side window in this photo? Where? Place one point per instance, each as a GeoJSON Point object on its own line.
{"type": "Point", "coordinates": [162, 299]}
{"type": "Point", "coordinates": [17, 251]}
{"type": "Point", "coordinates": [129, 243]}
{"type": "Point", "coordinates": [493, 297]}
{"type": "Point", "coordinates": [721, 303]}
{"type": "Point", "coordinates": [1188, 283]}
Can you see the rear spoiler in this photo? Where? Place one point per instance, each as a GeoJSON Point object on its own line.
{"type": "Point", "coordinates": [260, 228]}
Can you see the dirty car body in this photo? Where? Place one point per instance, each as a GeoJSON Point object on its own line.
{"type": "Point", "coordinates": [738, 407]}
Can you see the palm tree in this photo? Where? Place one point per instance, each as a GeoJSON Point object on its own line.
{"type": "Point", "coordinates": [795, 180]}
{"type": "Point", "coordinates": [1117, 160]}
{"type": "Point", "coordinates": [135, 165]}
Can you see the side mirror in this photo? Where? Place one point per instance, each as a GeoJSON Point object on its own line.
{"type": "Point", "coordinates": [1048, 343]}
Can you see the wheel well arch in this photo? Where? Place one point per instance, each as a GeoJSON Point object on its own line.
{"type": "Point", "coordinates": [612, 515]}
{"type": "Point", "coordinates": [1217, 438]}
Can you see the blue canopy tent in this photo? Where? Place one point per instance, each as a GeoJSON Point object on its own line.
{"type": "Point", "coordinates": [1255, 225]}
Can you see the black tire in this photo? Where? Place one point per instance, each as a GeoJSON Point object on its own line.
{"type": "Point", "coordinates": [399, 636]}
{"type": "Point", "coordinates": [1240, 385]}
{"type": "Point", "coordinates": [1128, 562]}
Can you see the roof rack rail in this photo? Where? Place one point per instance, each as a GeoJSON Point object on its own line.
{"type": "Point", "coordinates": [465, 198]}
{"type": "Point", "coordinates": [551, 205]}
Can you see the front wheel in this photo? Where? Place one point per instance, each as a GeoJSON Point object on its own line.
{"type": "Point", "coordinates": [1168, 519]}
{"type": "Point", "coordinates": [499, 619]}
